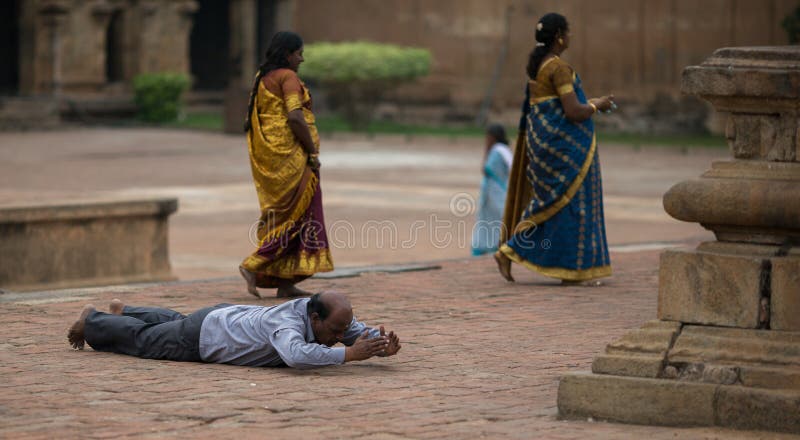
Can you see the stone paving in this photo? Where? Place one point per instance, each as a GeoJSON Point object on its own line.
{"type": "Point", "coordinates": [481, 358]}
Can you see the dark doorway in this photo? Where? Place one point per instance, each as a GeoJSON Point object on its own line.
{"type": "Point", "coordinates": [209, 49]}
{"type": "Point", "coordinates": [266, 27]}
{"type": "Point", "coordinates": [9, 47]}
{"type": "Point", "coordinates": [114, 49]}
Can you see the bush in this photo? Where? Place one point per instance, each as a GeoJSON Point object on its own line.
{"type": "Point", "coordinates": [791, 24]}
{"type": "Point", "coordinates": [356, 74]}
{"type": "Point", "coordinates": [158, 95]}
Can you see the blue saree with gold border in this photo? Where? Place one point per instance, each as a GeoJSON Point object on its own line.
{"type": "Point", "coordinates": [554, 221]}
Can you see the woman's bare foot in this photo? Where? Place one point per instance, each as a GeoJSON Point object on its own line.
{"type": "Point", "coordinates": [116, 306]}
{"type": "Point", "coordinates": [75, 333]}
{"type": "Point", "coordinates": [291, 291]}
{"type": "Point", "coordinates": [503, 265]}
{"type": "Point", "coordinates": [250, 278]}
{"type": "Point", "coordinates": [582, 283]}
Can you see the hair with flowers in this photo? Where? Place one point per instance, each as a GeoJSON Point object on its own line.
{"type": "Point", "coordinates": [548, 29]}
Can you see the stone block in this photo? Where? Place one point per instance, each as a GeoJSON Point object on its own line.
{"type": "Point", "coordinates": [677, 403]}
{"type": "Point", "coordinates": [84, 243]}
{"type": "Point", "coordinates": [636, 400]}
{"type": "Point", "coordinates": [785, 294]}
{"type": "Point", "coordinates": [755, 136]}
{"type": "Point", "coordinates": [629, 365]}
{"type": "Point", "coordinates": [736, 346]}
{"type": "Point", "coordinates": [779, 377]}
{"type": "Point", "coordinates": [706, 288]}
{"type": "Point", "coordinates": [745, 249]}
{"type": "Point", "coordinates": [751, 408]}
{"type": "Point", "coordinates": [28, 113]}
{"type": "Point", "coordinates": [640, 353]}
{"type": "Point", "coordinates": [744, 135]}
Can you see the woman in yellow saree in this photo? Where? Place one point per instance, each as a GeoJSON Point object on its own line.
{"type": "Point", "coordinates": [284, 157]}
{"type": "Point", "coordinates": [553, 220]}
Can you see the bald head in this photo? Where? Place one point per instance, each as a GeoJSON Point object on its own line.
{"type": "Point", "coordinates": [335, 301]}
{"type": "Point", "coordinates": [330, 315]}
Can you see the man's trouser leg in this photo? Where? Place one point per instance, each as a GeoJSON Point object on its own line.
{"type": "Point", "coordinates": [177, 340]}
{"type": "Point", "coordinates": [152, 314]}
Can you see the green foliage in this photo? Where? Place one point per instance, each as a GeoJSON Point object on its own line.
{"type": "Point", "coordinates": [158, 95]}
{"type": "Point", "coordinates": [792, 26]}
{"type": "Point", "coordinates": [364, 61]}
{"type": "Point", "coordinates": [356, 74]}
{"type": "Point", "coordinates": [200, 120]}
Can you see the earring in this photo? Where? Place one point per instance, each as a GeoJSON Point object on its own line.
{"type": "Point", "coordinates": [560, 41]}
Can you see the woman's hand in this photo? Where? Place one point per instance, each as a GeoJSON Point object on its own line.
{"type": "Point", "coordinates": [313, 161]}
{"type": "Point", "coordinates": [603, 103]}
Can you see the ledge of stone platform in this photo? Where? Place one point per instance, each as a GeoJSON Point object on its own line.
{"type": "Point", "coordinates": [676, 403]}
{"type": "Point", "coordinates": [720, 355]}
{"type": "Point", "coordinates": [640, 353]}
{"type": "Point", "coordinates": [86, 209]}
{"type": "Point", "coordinates": [84, 243]}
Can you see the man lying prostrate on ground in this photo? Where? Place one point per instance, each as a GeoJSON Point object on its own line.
{"type": "Point", "coordinates": [300, 333]}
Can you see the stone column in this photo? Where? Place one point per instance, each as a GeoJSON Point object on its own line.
{"type": "Point", "coordinates": [725, 349]}
{"type": "Point", "coordinates": [285, 11]}
{"type": "Point", "coordinates": [163, 35]}
{"type": "Point", "coordinates": [52, 15]}
{"type": "Point", "coordinates": [243, 61]}
{"type": "Point", "coordinates": [185, 10]}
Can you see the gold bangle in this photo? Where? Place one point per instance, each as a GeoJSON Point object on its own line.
{"type": "Point", "coordinates": [594, 107]}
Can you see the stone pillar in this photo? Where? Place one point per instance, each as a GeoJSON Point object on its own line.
{"type": "Point", "coordinates": [243, 61]}
{"type": "Point", "coordinates": [52, 15]}
{"type": "Point", "coordinates": [185, 10]}
{"type": "Point", "coordinates": [164, 30]}
{"type": "Point", "coordinates": [725, 349]}
{"type": "Point", "coordinates": [285, 15]}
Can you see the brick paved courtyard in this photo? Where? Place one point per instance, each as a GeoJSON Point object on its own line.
{"type": "Point", "coordinates": [481, 359]}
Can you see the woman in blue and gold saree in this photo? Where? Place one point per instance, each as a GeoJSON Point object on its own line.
{"type": "Point", "coordinates": [283, 144]}
{"type": "Point", "coordinates": [553, 219]}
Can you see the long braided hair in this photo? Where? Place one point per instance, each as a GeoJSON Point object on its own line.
{"type": "Point", "coordinates": [280, 47]}
{"type": "Point", "coordinates": [549, 27]}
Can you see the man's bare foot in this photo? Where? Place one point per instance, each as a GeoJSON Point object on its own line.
{"type": "Point", "coordinates": [116, 306]}
{"type": "Point", "coordinates": [582, 283]}
{"type": "Point", "coordinates": [503, 265]}
{"type": "Point", "coordinates": [291, 291]}
{"type": "Point", "coordinates": [75, 333]}
{"type": "Point", "coordinates": [250, 278]}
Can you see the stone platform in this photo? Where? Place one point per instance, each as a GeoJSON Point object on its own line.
{"type": "Point", "coordinates": [84, 243]}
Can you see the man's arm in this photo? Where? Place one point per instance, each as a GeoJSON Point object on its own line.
{"type": "Point", "coordinates": [297, 353]}
{"type": "Point", "coordinates": [357, 329]}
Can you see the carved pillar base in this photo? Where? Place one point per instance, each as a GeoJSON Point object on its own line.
{"type": "Point", "coordinates": [726, 348]}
